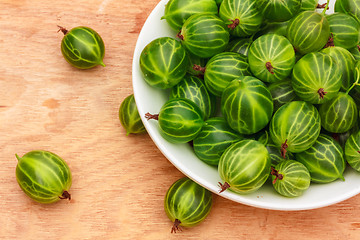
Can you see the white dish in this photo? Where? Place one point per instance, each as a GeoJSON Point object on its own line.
{"type": "Point", "coordinates": [150, 99]}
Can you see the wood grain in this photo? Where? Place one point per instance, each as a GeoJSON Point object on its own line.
{"type": "Point", "coordinates": [119, 181]}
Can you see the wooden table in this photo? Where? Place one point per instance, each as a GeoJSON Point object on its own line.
{"type": "Point", "coordinates": [119, 181]}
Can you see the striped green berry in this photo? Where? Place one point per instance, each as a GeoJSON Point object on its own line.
{"type": "Point", "coordinates": [295, 126]}
{"type": "Point", "coordinates": [82, 47]}
{"type": "Point", "coordinates": [177, 11]}
{"type": "Point", "coordinates": [244, 167]}
{"type": "Point", "coordinates": [214, 138]}
{"type": "Point", "coordinates": [193, 88]}
{"type": "Point", "coordinates": [180, 120]}
{"type": "Point", "coordinates": [247, 105]}
{"type": "Point", "coordinates": [308, 31]}
{"type": "Point", "coordinates": [239, 45]}
{"type": "Point", "coordinates": [339, 114]}
{"type": "Point", "coordinates": [352, 150]}
{"type": "Point", "coordinates": [222, 68]}
{"type": "Point", "coordinates": [187, 203]}
{"type": "Point", "coordinates": [324, 160]}
{"type": "Point", "coordinates": [163, 62]}
{"type": "Point", "coordinates": [346, 63]}
{"type": "Point", "coordinates": [309, 5]}
{"type": "Point", "coordinates": [316, 78]}
{"type": "Point", "coordinates": [278, 11]}
{"type": "Point", "coordinates": [204, 35]}
{"type": "Point", "coordinates": [355, 51]}
{"type": "Point", "coordinates": [271, 57]}
{"type": "Point", "coordinates": [243, 17]}
{"type": "Point", "coordinates": [273, 27]}
{"type": "Point", "coordinates": [290, 178]}
{"type": "Point", "coordinates": [282, 92]}
{"type": "Point", "coordinates": [351, 7]}
{"type": "Point", "coordinates": [344, 29]}
{"type": "Point", "coordinates": [43, 176]}
{"type": "Point", "coordinates": [129, 116]}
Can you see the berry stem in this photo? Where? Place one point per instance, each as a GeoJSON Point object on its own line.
{"type": "Point", "coordinates": [199, 68]}
{"type": "Point", "coordinates": [223, 186]}
{"type": "Point", "coordinates": [321, 93]}
{"type": "Point", "coordinates": [176, 226]}
{"type": "Point", "coordinates": [65, 195]}
{"type": "Point", "coordinates": [283, 150]}
{"type": "Point", "coordinates": [234, 23]}
{"type": "Point", "coordinates": [149, 116]}
{"type": "Point", "coordinates": [180, 36]}
{"type": "Point", "coordinates": [269, 67]}
{"type": "Point", "coordinates": [322, 6]}
{"type": "Point", "coordinates": [330, 42]}
{"type": "Point", "coordinates": [62, 29]}
{"type": "Point", "coordinates": [277, 175]}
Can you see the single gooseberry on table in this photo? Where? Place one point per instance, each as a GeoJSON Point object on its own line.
{"type": "Point", "coordinates": [187, 203]}
{"type": "Point", "coordinates": [82, 47]}
{"type": "Point", "coordinates": [129, 116]}
{"type": "Point", "coordinates": [43, 176]}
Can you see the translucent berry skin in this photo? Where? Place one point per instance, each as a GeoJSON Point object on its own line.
{"type": "Point", "coordinates": [82, 47]}
{"type": "Point", "coordinates": [43, 176]}
{"type": "Point", "coordinates": [129, 116]}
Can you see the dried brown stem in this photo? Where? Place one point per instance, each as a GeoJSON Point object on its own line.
{"type": "Point", "coordinates": [180, 36]}
{"type": "Point", "coordinates": [176, 226]}
{"type": "Point", "coordinates": [277, 175]}
{"type": "Point", "coordinates": [234, 23]}
{"type": "Point", "coordinates": [223, 186]}
{"type": "Point", "coordinates": [283, 150]}
{"type": "Point", "coordinates": [330, 42]}
{"type": "Point", "coordinates": [65, 195]}
{"type": "Point", "coordinates": [149, 116]}
{"type": "Point", "coordinates": [199, 68]}
{"type": "Point", "coordinates": [269, 67]}
{"type": "Point", "coordinates": [321, 93]}
{"type": "Point", "coordinates": [62, 29]}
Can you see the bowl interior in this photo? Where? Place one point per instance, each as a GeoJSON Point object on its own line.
{"type": "Point", "coordinates": [149, 99]}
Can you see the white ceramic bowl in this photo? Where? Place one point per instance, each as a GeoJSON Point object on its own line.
{"type": "Point", "coordinates": [150, 99]}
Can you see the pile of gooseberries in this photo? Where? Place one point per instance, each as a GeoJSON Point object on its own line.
{"type": "Point", "coordinates": [261, 89]}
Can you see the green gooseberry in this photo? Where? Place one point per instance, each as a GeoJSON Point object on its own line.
{"type": "Point", "coordinates": [193, 88]}
{"type": "Point", "coordinates": [282, 92]}
{"type": "Point", "coordinates": [43, 176]}
{"type": "Point", "coordinates": [290, 178]}
{"type": "Point", "coordinates": [278, 11]}
{"type": "Point", "coordinates": [324, 160]}
{"type": "Point", "coordinates": [308, 31]}
{"type": "Point", "coordinates": [244, 166]}
{"type": "Point", "coordinates": [339, 114]}
{"type": "Point", "coordinates": [316, 77]}
{"type": "Point", "coordinates": [177, 11]}
{"type": "Point", "coordinates": [129, 116]}
{"type": "Point", "coordinates": [352, 150]}
{"type": "Point", "coordinates": [163, 62]}
{"type": "Point", "coordinates": [271, 57]}
{"type": "Point", "coordinates": [180, 120]}
{"type": "Point", "coordinates": [82, 47]}
{"type": "Point", "coordinates": [187, 203]}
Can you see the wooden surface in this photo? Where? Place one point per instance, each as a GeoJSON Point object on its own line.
{"type": "Point", "coordinates": [119, 181]}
